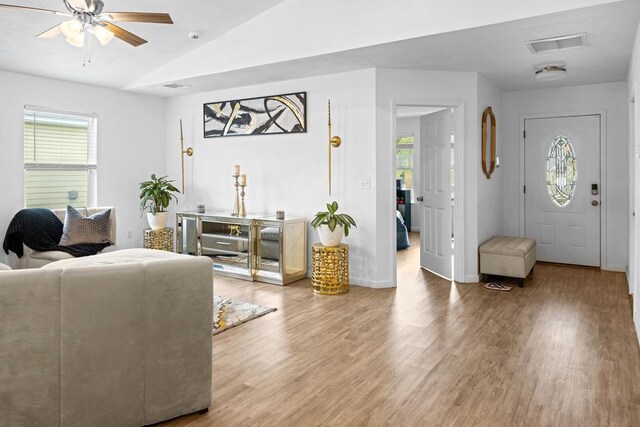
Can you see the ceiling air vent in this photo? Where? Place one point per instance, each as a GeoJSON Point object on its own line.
{"type": "Point", "coordinates": [175, 86]}
{"type": "Point", "coordinates": [555, 44]}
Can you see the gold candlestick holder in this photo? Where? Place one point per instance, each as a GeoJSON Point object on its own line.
{"type": "Point", "coordinates": [243, 210]}
{"type": "Point", "coordinates": [236, 203]}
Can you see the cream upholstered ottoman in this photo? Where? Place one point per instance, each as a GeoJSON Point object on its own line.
{"type": "Point", "coordinates": [508, 256]}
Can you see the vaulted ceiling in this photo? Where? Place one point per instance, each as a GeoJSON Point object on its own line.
{"type": "Point", "coordinates": [257, 41]}
{"type": "Point", "coordinates": [116, 64]}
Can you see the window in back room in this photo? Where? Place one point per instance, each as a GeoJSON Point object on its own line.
{"type": "Point", "coordinates": [404, 160]}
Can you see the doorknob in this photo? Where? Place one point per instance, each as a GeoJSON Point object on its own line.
{"type": "Point", "coordinates": [420, 198]}
{"type": "Point", "coordinates": [595, 203]}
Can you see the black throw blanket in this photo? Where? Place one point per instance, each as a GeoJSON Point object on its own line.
{"type": "Point", "coordinates": [41, 230]}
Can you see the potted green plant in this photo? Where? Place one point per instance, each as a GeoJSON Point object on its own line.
{"type": "Point", "coordinates": [331, 225]}
{"type": "Point", "coordinates": [155, 195]}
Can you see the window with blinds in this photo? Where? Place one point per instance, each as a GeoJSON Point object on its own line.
{"type": "Point", "coordinates": [404, 160]}
{"type": "Point", "coordinates": [60, 158]}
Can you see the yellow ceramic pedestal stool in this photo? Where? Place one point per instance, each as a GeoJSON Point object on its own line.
{"type": "Point", "coordinates": [330, 269]}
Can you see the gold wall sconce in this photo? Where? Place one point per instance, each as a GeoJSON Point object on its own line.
{"type": "Point", "coordinates": [334, 142]}
{"type": "Point", "coordinates": [488, 120]}
{"type": "Point", "coordinates": [188, 152]}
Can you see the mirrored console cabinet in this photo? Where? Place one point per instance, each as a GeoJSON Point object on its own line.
{"type": "Point", "coordinates": [256, 247]}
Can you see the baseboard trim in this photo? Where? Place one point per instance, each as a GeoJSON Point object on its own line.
{"type": "Point", "coordinates": [617, 268]}
{"type": "Point", "coordinates": [366, 283]}
{"type": "Point", "coordinates": [472, 278]}
{"type": "Point", "coordinates": [356, 281]}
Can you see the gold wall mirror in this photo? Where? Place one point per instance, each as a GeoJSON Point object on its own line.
{"type": "Point", "coordinates": [488, 121]}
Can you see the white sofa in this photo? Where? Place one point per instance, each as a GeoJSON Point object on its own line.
{"type": "Point", "coordinates": [117, 339]}
{"type": "Point", "coordinates": [34, 259]}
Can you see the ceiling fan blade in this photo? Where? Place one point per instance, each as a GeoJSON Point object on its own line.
{"type": "Point", "coordinates": [34, 9]}
{"type": "Point", "coordinates": [51, 32]}
{"type": "Point", "coordinates": [79, 5]}
{"type": "Point", "coordinates": [155, 18]}
{"type": "Point", "coordinates": [123, 34]}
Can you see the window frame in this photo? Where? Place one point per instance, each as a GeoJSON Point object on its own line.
{"type": "Point", "coordinates": [413, 154]}
{"type": "Point", "coordinates": [91, 168]}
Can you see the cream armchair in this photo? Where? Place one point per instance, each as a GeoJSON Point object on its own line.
{"type": "Point", "coordinates": [33, 259]}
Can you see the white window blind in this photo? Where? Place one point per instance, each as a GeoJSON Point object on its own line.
{"type": "Point", "coordinates": [60, 158]}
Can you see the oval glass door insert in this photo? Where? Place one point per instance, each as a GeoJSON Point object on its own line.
{"type": "Point", "coordinates": [561, 171]}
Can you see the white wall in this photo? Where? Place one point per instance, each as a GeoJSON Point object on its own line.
{"type": "Point", "coordinates": [430, 86]}
{"type": "Point", "coordinates": [411, 126]}
{"type": "Point", "coordinates": [289, 172]}
{"type": "Point", "coordinates": [131, 144]}
{"type": "Point", "coordinates": [490, 215]}
{"type": "Point", "coordinates": [611, 97]}
{"type": "Point", "coordinates": [633, 85]}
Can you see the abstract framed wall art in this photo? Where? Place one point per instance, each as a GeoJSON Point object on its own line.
{"type": "Point", "coordinates": [267, 115]}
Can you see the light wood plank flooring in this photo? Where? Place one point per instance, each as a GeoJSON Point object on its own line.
{"type": "Point", "coordinates": [561, 352]}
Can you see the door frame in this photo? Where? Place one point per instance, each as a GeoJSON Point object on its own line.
{"type": "Point", "coordinates": [603, 173]}
{"type": "Point", "coordinates": [634, 248]}
{"type": "Point", "coordinates": [458, 212]}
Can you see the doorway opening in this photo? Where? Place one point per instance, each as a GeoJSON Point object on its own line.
{"type": "Point", "coordinates": [425, 175]}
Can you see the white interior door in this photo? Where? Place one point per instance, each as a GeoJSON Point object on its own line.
{"type": "Point", "coordinates": [435, 164]}
{"type": "Point", "coordinates": [562, 188]}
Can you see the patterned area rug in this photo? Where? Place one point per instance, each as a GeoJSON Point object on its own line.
{"type": "Point", "coordinates": [229, 312]}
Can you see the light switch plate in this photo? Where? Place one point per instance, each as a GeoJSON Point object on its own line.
{"type": "Point", "coordinates": [365, 184]}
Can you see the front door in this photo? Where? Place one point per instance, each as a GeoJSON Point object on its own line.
{"type": "Point", "coordinates": [562, 188]}
{"type": "Point", "coordinates": [435, 163]}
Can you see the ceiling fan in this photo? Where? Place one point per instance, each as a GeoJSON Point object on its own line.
{"type": "Point", "coordinates": [87, 16]}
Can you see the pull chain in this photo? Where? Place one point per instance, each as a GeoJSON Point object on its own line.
{"type": "Point", "coordinates": [86, 59]}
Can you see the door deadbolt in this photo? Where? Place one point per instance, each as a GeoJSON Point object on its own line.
{"type": "Point", "coordinates": [595, 203]}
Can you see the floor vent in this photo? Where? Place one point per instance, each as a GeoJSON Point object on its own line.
{"type": "Point", "coordinates": [555, 44]}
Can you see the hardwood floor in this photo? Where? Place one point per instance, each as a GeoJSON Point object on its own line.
{"type": "Point", "coordinates": [561, 351]}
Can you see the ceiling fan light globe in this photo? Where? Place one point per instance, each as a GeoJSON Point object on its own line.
{"type": "Point", "coordinates": [103, 35]}
{"type": "Point", "coordinates": [77, 40]}
{"type": "Point", "coordinates": [71, 28]}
